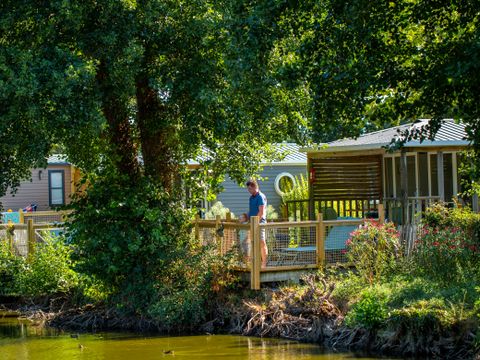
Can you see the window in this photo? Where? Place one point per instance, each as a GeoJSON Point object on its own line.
{"type": "Point", "coordinates": [284, 183]}
{"type": "Point", "coordinates": [56, 189]}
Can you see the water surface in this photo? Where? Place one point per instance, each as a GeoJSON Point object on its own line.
{"type": "Point", "coordinates": [20, 340]}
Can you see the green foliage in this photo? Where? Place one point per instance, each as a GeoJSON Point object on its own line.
{"type": "Point", "coordinates": [298, 192]}
{"type": "Point", "coordinates": [187, 294]}
{"type": "Point", "coordinates": [128, 236]}
{"type": "Point", "coordinates": [49, 269]}
{"type": "Point", "coordinates": [271, 213]}
{"type": "Point", "coordinates": [447, 248]}
{"type": "Point", "coordinates": [10, 266]}
{"type": "Point", "coordinates": [370, 311]}
{"type": "Point", "coordinates": [94, 78]}
{"type": "Point", "coordinates": [446, 254]}
{"type": "Point", "coordinates": [218, 209]}
{"type": "Point", "coordinates": [347, 289]}
{"type": "Point", "coordinates": [373, 249]}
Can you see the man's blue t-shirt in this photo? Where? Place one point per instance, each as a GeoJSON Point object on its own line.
{"type": "Point", "coordinates": [256, 201]}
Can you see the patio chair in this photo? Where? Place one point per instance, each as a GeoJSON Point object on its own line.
{"type": "Point", "coordinates": [329, 213]}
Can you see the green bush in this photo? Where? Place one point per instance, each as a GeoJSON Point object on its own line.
{"type": "Point", "coordinates": [185, 295]}
{"type": "Point", "coordinates": [440, 216]}
{"type": "Point", "coordinates": [218, 209]}
{"type": "Point", "coordinates": [298, 192]}
{"type": "Point", "coordinates": [128, 236]}
{"type": "Point", "coordinates": [447, 247]}
{"type": "Point", "coordinates": [10, 266]}
{"type": "Point", "coordinates": [49, 269]}
{"type": "Point", "coordinates": [347, 288]}
{"type": "Point", "coordinates": [370, 311]}
{"type": "Point", "coordinates": [373, 249]}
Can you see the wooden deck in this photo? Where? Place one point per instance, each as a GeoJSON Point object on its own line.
{"type": "Point", "coordinates": [294, 247]}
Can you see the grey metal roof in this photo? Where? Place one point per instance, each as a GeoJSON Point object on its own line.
{"type": "Point", "coordinates": [292, 155]}
{"type": "Point", "coordinates": [290, 151]}
{"type": "Point", "coordinates": [450, 133]}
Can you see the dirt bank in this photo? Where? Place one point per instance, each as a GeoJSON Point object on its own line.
{"type": "Point", "coordinates": [308, 316]}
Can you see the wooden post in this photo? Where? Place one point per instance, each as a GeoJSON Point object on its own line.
{"type": "Point", "coordinates": [228, 235]}
{"type": "Point", "coordinates": [311, 202]}
{"type": "Point", "coordinates": [10, 235]}
{"type": "Point", "coordinates": [381, 214]}
{"type": "Point", "coordinates": [197, 229]}
{"type": "Point", "coordinates": [475, 203]}
{"type": "Point", "coordinates": [440, 179]}
{"type": "Point", "coordinates": [218, 239]}
{"type": "Point", "coordinates": [320, 241]}
{"type": "Point", "coordinates": [404, 187]}
{"type": "Point", "coordinates": [256, 253]}
{"type": "Point", "coordinates": [21, 217]}
{"type": "Point", "coordinates": [30, 238]}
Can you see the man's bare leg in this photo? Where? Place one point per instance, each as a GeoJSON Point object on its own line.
{"type": "Point", "coordinates": [264, 252]}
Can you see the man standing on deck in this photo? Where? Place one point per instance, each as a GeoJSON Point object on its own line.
{"type": "Point", "coordinates": [258, 207]}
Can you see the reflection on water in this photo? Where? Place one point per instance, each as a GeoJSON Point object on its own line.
{"type": "Point", "coordinates": [20, 340]}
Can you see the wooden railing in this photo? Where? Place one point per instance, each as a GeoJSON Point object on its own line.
{"type": "Point", "coordinates": [292, 245]}
{"type": "Point", "coordinates": [40, 217]}
{"type": "Point", "coordinates": [23, 237]}
{"type": "Point", "coordinates": [408, 211]}
{"type": "Point", "coordinates": [298, 210]}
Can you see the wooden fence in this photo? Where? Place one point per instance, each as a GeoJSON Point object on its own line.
{"type": "Point", "coordinates": [31, 228]}
{"type": "Point", "coordinates": [22, 238]}
{"type": "Point", "coordinates": [292, 246]}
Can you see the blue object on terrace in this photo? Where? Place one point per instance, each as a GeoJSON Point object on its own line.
{"type": "Point", "coordinates": [14, 217]}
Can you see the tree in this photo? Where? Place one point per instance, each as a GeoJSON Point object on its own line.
{"type": "Point", "coordinates": [132, 90]}
{"type": "Point", "coordinates": [163, 79]}
{"type": "Point", "coordinates": [371, 64]}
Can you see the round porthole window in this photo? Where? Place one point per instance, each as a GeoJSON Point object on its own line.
{"type": "Point", "coordinates": [284, 183]}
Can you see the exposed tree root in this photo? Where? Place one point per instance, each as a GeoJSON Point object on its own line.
{"type": "Point", "coordinates": [312, 317]}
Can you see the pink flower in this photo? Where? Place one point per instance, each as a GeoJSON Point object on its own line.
{"type": "Point", "coordinates": [348, 242]}
{"type": "Point", "coordinates": [344, 251]}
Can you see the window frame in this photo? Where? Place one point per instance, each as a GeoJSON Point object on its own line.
{"type": "Point", "coordinates": [50, 188]}
{"type": "Point", "coordinates": [279, 178]}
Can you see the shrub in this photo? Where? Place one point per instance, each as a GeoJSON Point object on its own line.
{"type": "Point", "coordinates": [373, 249]}
{"type": "Point", "coordinates": [347, 288]}
{"type": "Point", "coordinates": [185, 294]}
{"type": "Point", "coordinates": [218, 209]}
{"type": "Point", "coordinates": [444, 253]}
{"type": "Point", "coordinates": [10, 266]}
{"type": "Point", "coordinates": [128, 236]}
{"type": "Point", "coordinates": [439, 216]}
{"type": "Point", "coordinates": [49, 269]}
{"type": "Point", "coordinates": [370, 311]}
{"type": "Point", "coordinates": [447, 246]}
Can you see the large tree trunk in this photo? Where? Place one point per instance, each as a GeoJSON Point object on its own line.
{"type": "Point", "coordinates": [157, 136]}
{"type": "Point", "coordinates": [119, 134]}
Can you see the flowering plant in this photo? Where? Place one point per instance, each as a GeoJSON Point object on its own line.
{"type": "Point", "coordinates": [444, 252]}
{"type": "Point", "coordinates": [373, 249]}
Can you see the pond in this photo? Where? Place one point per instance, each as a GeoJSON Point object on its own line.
{"type": "Point", "coordinates": [21, 340]}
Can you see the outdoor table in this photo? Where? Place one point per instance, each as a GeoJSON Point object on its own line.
{"type": "Point", "coordinates": [295, 254]}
